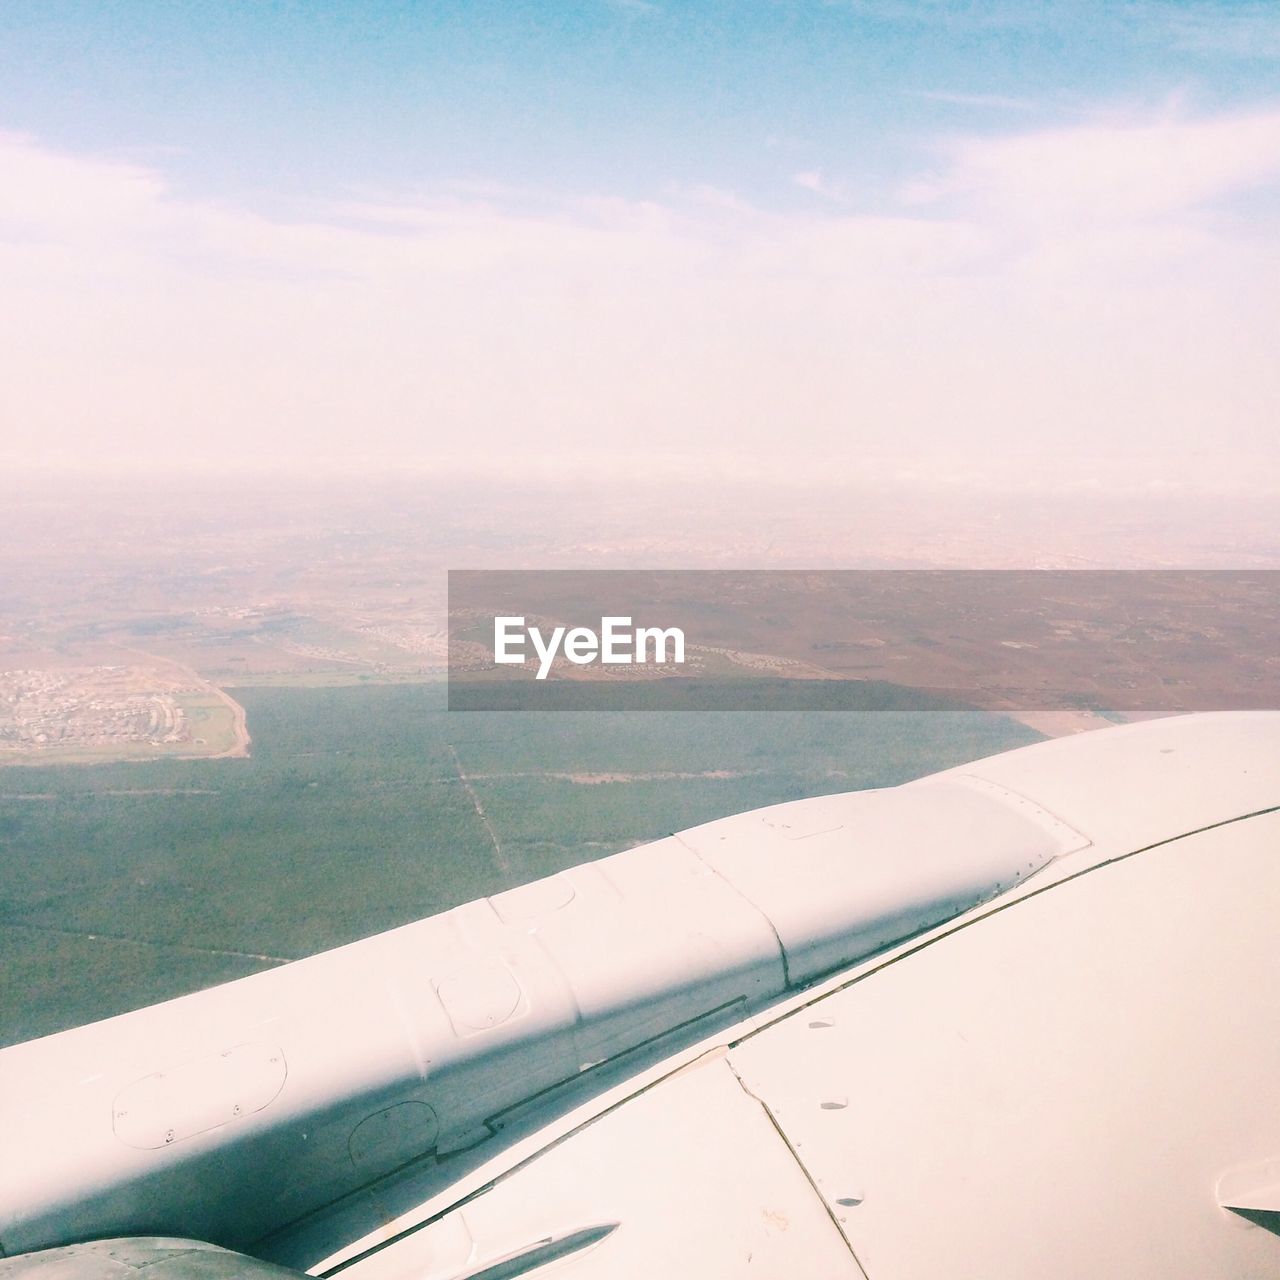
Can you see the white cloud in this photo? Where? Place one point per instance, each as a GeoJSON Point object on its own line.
{"type": "Point", "coordinates": [1068, 288]}
{"type": "Point", "coordinates": [1111, 171]}
{"type": "Point", "coordinates": [50, 194]}
{"type": "Point", "coordinates": [812, 180]}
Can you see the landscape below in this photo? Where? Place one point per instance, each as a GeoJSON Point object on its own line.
{"type": "Point", "coordinates": [364, 808]}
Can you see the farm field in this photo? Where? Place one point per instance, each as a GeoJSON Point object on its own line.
{"type": "Point", "coordinates": [363, 808]}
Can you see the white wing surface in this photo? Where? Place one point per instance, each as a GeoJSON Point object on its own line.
{"type": "Point", "coordinates": [1018, 1018]}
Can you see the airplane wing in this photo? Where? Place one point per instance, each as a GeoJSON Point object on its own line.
{"type": "Point", "coordinates": [1016, 1018]}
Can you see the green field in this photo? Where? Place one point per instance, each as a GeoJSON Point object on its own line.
{"type": "Point", "coordinates": [212, 722]}
{"type": "Point", "coordinates": [121, 884]}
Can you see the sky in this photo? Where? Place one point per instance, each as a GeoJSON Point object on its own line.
{"type": "Point", "coordinates": [753, 237]}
